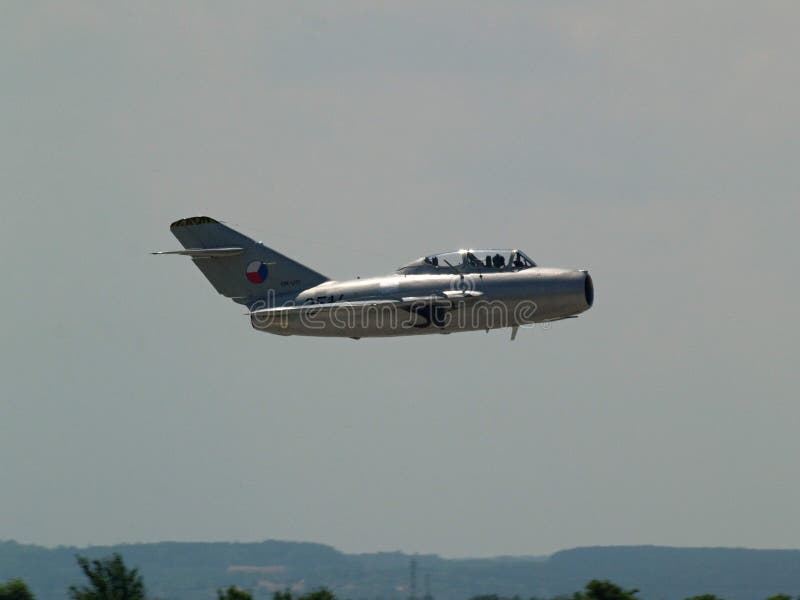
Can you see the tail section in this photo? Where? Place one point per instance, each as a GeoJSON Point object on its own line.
{"type": "Point", "coordinates": [238, 267]}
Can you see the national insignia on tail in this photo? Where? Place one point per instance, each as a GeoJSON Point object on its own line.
{"type": "Point", "coordinates": [257, 271]}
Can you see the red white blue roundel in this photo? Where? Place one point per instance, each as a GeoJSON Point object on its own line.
{"type": "Point", "coordinates": [257, 271]}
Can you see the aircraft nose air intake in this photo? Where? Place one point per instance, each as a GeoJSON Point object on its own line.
{"type": "Point", "coordinates": [588, 288]}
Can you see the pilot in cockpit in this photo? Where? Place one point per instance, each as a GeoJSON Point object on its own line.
{"type": "Point", "coordinates": [473, 260]}
{"type": "Point", "coordinates": [498, 261]}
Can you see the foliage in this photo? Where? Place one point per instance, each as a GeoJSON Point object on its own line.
{"type": "Point", "coordinates": [499, 597]}
{"type": "Point", "coordinates": [194, 571]}
{"type": "Point", "coordinates": [234, 593]}
{"type": "Point", "coordinates": [780, 597]}
{"type": "Point", "coordinates": [109, 579]}
{"type": "Point", "coordinates": [319, 594]}
{"type": "Point", "coordinates": [604, 590]}
{"type": "Point", "coordinates": [15, 589]}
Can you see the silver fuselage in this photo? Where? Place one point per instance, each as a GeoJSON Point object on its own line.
{"type": "Point", "coordinates": [460, 290]}
{"type": "Point", "coordinates": [415, 304]}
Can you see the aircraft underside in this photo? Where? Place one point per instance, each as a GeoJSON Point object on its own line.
{"type": "Point", "coordinates": [379, 320]}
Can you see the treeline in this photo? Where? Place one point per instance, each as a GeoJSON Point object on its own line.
{"type": "Point", "coordinates": [111, 579]}
{"type": "Point", "coordinates": [598, 589]}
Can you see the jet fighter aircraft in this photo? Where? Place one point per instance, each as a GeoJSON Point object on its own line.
{"type": "Point", "coordinates": [463, 290]}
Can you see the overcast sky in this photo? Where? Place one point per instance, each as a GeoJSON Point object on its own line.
{"type": "Point", "coordinates": [655, 144]}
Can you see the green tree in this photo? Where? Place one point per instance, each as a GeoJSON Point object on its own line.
{"type": "Point", "coordinates": [109, 579]}
{"type": "Point", "coordinates": [775, 597]}
{"type": "Point", "coordinates": [707, 597]}
{"type": "Point", "coordinates": [320, 594]}
{"type": "Point", "coordinates": [604, 590]}
{"type": "Point", "coordinates": [234, 593]}
{"type": "Point", "coordinates": [15, 589]}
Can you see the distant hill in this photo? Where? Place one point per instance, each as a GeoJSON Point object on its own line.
{"type": "Point", "coordinates": [194, 571]}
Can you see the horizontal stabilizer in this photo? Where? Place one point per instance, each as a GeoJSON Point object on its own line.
{"type": "Point", "coordinates": [205, 252]}
{"type": "Point", "coordinates": [239, 267]}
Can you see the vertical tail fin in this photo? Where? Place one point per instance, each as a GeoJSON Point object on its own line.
{"type": "Point", "coordinates": [238, 267]}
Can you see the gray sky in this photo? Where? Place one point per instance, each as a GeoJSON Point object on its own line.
{"type": "Point", "coordinates": [654, 143]}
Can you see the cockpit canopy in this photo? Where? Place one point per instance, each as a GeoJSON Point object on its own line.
{"type": "Point", "coordinates": [470, 261]}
